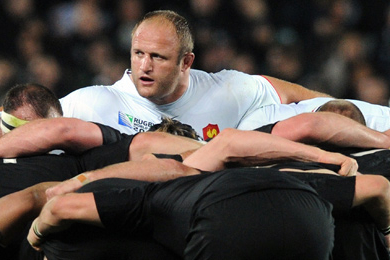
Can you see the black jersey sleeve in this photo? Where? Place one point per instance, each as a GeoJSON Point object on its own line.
{"type": "Point", "coordinates": [104, 155]}
{"type": "Point", "coordinates": [123, 209]}
{"type": "Point", "coordinates": [110, 135]}
{"type": "Point", "coordinates": [266, 128]}
{"type": "Point", "coordinates": [338, 190]}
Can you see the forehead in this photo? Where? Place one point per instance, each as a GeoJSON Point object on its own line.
{"type": "Point", "coordinates": [25, 112]}
{"type": "Point", "coordinates": [155, 34]}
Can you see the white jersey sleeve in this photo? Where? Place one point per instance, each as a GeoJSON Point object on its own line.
{"type": "Point", "coordinates": [116, 106]}
{"type": "Point", "coordinates": [74, 104]}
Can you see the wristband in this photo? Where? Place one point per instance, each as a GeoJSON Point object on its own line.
{"type": "Point", "coordinates": [82, 178]}
{"type": "Point", "coordinates": [36, 231]}
{"type": "Point", "coordinates": [385, 231]}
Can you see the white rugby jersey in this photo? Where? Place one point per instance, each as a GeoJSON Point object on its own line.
{"type": "Point", "coordinates": [377, 117]}
{"type": "Point", "coordinates": [212, 102]}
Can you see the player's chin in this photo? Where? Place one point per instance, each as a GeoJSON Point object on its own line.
{"type": "Point", "coordinates": [147, 92]}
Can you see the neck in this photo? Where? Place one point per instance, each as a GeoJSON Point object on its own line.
{"type": "Point", "coordinates": [180, 89]}
{"type": "Point", "coordinates": [172, 97]}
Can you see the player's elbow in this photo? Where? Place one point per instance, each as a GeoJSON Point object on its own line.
{"type": "Point", "coordinates": [226, 135]}
{"type": "Point", "coordinates": [143, 144]}
{"type": "Point", "coordinates": [62, 129]}
{"type": "Point", "coordinates": [224, 143]}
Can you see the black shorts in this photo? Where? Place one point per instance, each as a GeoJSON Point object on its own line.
{"type": "Point", "coordinates": [270, 224]}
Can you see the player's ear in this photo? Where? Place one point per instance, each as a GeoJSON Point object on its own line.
{"type": "Point", "coordinates": [188, 59]}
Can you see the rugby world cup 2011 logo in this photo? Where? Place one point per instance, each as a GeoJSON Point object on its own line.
{"type": "Point", "coordinates": [136, 124]}
{"type": "Point", "coordinates": [126, 120]}
{"type": "Point", "coordinates": [210, 131]}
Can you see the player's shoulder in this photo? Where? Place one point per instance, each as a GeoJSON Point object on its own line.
{"type": "Point", "coordinates": [93, 91]}
{"type": "Point", "coordinates": [220, 77]}
{"type": "Point", "coordinates": [86, 93]}
{"type": "Point", "coordinates": [120, 85]}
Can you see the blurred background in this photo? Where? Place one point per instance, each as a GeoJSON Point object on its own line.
{"type": "Point", "coordinates": [341, 47]}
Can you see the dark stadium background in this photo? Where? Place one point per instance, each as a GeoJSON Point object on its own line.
{"type": "Point", "coordinates": [341, 47]}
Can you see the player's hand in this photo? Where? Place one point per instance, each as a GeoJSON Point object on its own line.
{"type": "Point", "coordinates": [67, 186]}
{"type": "Point", "coordinates": [348, 165]}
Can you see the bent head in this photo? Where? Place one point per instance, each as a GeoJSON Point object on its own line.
{"type": "Point", "coordinates": [27, 102]}
{"type": "Point", "coordinates": [345, 108]}
{"type": "Point", "coordinates": [161, 56]}
{"type": "Point", "coordinates": [172, 126]}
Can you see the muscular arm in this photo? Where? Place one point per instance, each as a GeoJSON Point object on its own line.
{"type": "Point", "coordinates": [291, 92]}
{"type": "Point", "coordinates": [254, 148]}
{"type": "Point", "coordinates": [60, 212]}
{"type": "Point", "coordinates": [21, 207]}
{"type": "Point", "coordinates": [151, 169]}
{"type": "Point", "coordinates": [331, 128]}
{"type": "Point", "coordinates": [40, 136]}
{"type": "Point", "coordinates": [147, 170]}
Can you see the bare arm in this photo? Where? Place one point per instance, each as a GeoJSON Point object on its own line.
{"type": "Point", "coordinates": [331, 128]}
{"type": "Point", "coordinates": [254, 148]}
{"type": "Point", "coordinates": [147, 170]}
{"type": "Point", "coordinates": [137, 168]}
{"type": "Point", "coordinates": [291, 92]}
{"type": "Point", "coordinates": [25, 205]}
{"type": "Point", "coordinates": [21, 207]}
{"type": "Point", "coordinates": [40, 136]}
{"type": "Point", "coordinates": [75, 136]}
{"type": "Point", "coordinates": [60, 212]}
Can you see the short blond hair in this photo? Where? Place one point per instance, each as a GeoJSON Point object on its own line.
{"type": "Point", "coordinates": [180, 24]}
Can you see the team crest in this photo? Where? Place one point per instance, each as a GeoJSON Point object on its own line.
{"type": "Point", "coordinates": [210, 131]}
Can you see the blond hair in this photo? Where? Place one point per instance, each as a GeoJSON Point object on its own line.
{"type": "Point", "coordinates": [180, 24]}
